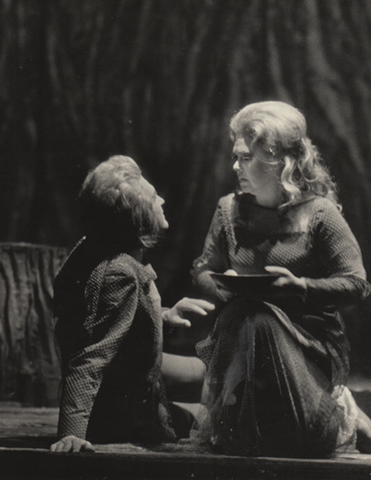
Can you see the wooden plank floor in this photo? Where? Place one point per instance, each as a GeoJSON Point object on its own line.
{"type": "Point", "coordinates": [26, 434]}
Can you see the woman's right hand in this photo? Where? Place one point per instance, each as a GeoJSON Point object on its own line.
{"type": "Point", "coordinates": [224, 294]}
{"type": "Point", "coordinates": [73, 444]}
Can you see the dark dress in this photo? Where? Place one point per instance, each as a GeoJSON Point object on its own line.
{"type": "Point", "coordinates": [109, 335]}
{"type": "Point", "coordinates": [277, 365]}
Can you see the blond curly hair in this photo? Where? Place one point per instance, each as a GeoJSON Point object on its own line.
{"type": "Point", "coordinates": [280, 130]}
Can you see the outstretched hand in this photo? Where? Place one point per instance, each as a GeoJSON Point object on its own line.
{"type": "Point", "coordinates": [287, 279]}
{"type": "Point", "coordinates": [174, 316]}
{"type": "Point", "coordinates": [72, 444]}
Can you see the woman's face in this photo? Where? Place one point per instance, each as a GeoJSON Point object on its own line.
{"type": "Point", "coordinates": [254, 169]}
{"type": "Point", "coordinates": [157, 204]}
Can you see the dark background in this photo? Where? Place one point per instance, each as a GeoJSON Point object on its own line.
{"type": "Point", "coordinates": [158, 80]}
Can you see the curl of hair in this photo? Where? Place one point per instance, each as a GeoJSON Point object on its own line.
{"type": "Point", "coordinates": [280, 130]}
{"type": "Point", "coordinates": [116, 206]}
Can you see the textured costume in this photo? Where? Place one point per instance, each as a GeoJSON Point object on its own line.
{"type": "Point", "coordinates": [277, 364]}
{"type": "Point", "coordinates": [109, 334]}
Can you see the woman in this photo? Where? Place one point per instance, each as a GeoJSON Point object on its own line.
{"type": "Point", "coordinates": [277, 359]}
{"type": "Point", "coordinates": [109, 317]}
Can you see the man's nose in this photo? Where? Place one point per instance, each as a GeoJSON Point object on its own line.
{"type": "Point", "coordinates": [236, 166]}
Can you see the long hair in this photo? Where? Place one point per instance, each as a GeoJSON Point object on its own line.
{"type": "Point", "coordinates": [117, 207]}
{"type": "Point", "coordinates": [281, 131]}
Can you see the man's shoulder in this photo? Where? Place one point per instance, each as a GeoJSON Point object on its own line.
{"type": "Point", "coordinates": [124, 265]}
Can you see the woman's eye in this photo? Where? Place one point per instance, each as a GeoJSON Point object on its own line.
{"type": "Point", "coordinates": [241, 158]}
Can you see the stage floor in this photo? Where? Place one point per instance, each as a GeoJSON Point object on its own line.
{"type": "Point", "coordinates": [26, 434]}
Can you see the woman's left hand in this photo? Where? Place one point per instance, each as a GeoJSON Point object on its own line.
{"type": "Point", "coordinates": [287, 279]}
{"type": "Point", "coordinates": [174, 316]}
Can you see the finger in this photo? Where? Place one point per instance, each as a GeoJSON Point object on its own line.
{"type": "Point", "coordinates": [191, 303]}
{"type": "Point", "coordinates": [202, 308]}
{"type": "Point", "coordinates": [53, 447]}
{"type": "Point", "coordinates": [281, 282]}
{"type": "Point", "coordinates": [208, 306]}
{"type": "Point", "coordinates": [67, 446]}
{"type": "Point", "coordinates": [280, 270]}
{"type": "Point", "coordinates": [59, 447]}
{"type": "Point", "coordinates": [231, 273]}
{"type": "Point", "coordinates": [88, 447]}
{"type": "Point", "coordinates": [76, 446]}
{"type": "Point", "coordinates": [196, 309]}
{"type": "Point", "coordinates": [181, 322]}
{"type": "Point", "coordinates": [184, 323]}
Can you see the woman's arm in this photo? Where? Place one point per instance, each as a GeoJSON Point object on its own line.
{"type": "Point", "coordinates": [341, 256]}
{"type": "Point", "coordinates": [84, 371]}
{"type": "Point", "coordinates": [214, 258]}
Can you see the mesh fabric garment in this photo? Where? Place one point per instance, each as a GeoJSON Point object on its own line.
{"type": "Point", "coordinates": [277, 362]}
{"type": "Point", "coordinates": [109, 333]}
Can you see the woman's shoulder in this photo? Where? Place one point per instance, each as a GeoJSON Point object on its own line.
{"type": "Point", "coordinates": [317, 205]}
{"type": "Point", "coordinates": [228, 204]}
{"type": "Point", "coordinates": [324, 207]}
{"type": "Point", "coordinates": [322, 212]}
{"type": "Point", "coordinates": [227, 198]}
{"type": "Point", "coordinates": [226, 201]}
{"type": "Point", "coordinates": [326, 203]}
{"type": "Point", "coordinates": [312, 212]}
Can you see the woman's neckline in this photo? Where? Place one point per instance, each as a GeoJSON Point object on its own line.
{"type": "Point", "coordinates": [304, 199]}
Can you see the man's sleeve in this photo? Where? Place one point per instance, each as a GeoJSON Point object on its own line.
{"type": "Point", "coordinates": [81, 381]}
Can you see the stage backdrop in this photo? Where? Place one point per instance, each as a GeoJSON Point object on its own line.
{"type": "Point", "coordinates": [158, 80]}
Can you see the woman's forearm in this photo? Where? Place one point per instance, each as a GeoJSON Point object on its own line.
{"type": "Point", "coordinates": [207, 285]}
{"type": "Point", "coordinates": [337, 290]}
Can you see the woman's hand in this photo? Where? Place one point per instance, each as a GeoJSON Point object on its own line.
{"type": "Point", "coordinates": [174, 316]}
{"type": "Point", "coordinates": [287, 279]}
{"type": "Point", "coordinates": [223, 293]}
{"type": "Point", "coordinates": [72, 444]}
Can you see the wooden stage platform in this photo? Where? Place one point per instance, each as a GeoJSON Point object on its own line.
{"type": "Point", "coordinates": [26, 434]}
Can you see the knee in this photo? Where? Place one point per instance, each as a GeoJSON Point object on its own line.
{"type": "Point", "coordinates": [265, 322]}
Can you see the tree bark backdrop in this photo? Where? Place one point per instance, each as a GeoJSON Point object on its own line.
{"type": "Point", "coordinates": [158, 80]}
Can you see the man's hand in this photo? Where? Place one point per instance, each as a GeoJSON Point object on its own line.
{"type": "Point", "coordinates": [174, 316]}
{"type": "Point", "coordinates": [72, 444]}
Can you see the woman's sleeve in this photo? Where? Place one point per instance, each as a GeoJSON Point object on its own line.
{"type": "Point", "coordinates": [83, 375]}
{"type": "Point", "coordinates": [341, 256]}
{"type": "Point", "coordinates": [214, 257]}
